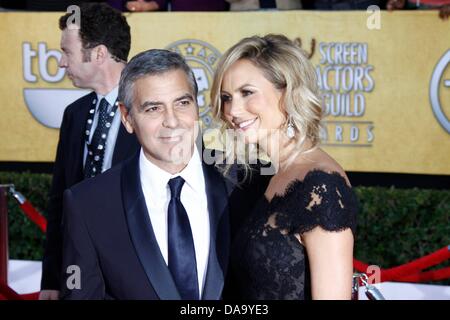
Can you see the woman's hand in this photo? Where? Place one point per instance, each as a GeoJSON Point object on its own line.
{"type": "Point", "coordinates": [395, 4]}
{"type": "Point", "coordinates": [142, 6]}
{"type": "Point", "coordinates": [49, 295]}
{"type": "Point", "coordinates": [444, 12]}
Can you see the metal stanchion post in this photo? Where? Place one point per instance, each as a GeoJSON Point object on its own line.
{"type": "Point", "coordinates": [3, 236]}
{"type": "Point", "coordinates": [355, 286]}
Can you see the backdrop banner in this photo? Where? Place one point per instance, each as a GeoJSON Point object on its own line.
{"type": "Point", "coordinates": [385, 78]}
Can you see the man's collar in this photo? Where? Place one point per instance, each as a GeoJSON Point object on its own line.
{"type": "Point", "coordinates": [157, 179]}
{"type": "Point", "coordinates": [111, 96]}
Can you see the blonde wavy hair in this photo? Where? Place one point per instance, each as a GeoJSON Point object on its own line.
{"type": "Point", "coordinates": [287, 67]}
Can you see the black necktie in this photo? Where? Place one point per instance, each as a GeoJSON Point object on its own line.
{"type": "Point", "coordinates": [96, 148]}
{"type": "Point", "coordinates": [182, 262]}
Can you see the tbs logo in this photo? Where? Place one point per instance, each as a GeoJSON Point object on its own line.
{"type": "Point", "coordinates": [45, 104]}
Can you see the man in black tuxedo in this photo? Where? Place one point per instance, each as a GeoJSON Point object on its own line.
{"type": "Point", "coordinates": [156, 226]}
{"type": "Point", "coordinates": [92, 138]}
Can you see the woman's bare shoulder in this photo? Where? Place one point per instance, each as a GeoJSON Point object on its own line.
{"type": "Point", "coordinates": [318, 160]}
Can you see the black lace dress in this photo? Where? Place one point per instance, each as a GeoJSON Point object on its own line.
{"type": "Point", "coordinates": [267, 259]}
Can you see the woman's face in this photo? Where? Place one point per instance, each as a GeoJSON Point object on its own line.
{"type": "Point", "coordinates": [250, 102]}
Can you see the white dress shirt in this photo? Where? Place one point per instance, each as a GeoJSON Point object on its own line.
{"type": "Point", "coordinates": [111, 97]}
{"type": "Point", "coordinates": [154, 181]}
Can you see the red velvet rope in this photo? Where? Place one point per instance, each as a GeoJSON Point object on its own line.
{"type": "Point", "coordinates": [411, 269]}
{"type": "Point", "coordinates": [433, 275]}
{"type": "Point", "coordinates": [409, 272]}
{"type": "Point", "coordinates": [8, 294]}
{"type": "Point", "coordinates": [34, 216]}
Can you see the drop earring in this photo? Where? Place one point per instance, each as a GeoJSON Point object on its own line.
{"type": "Point", "coordinates": [290, 130]}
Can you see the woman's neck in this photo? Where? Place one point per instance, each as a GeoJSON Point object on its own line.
{"type": "Point", "coordinates": [280, 149]}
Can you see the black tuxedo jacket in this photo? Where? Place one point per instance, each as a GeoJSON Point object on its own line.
{"type": "Point", "coordinates": [68, 170]}
{"type": "Point", "coordinates": [109, 236]}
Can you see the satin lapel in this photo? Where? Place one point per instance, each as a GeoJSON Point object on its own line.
{"type": "Point", "coordinates": [219, 238]}
{"type": "Point", "coordinates": [142, 234]}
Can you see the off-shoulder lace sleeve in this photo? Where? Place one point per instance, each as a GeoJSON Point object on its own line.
{"type": "Point", "coordinates": [321, 199]}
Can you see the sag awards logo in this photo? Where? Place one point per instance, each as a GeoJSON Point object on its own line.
{"type": "Point", "coordinates": [439, 88]}
{"type": "Point", "coordinates": [345, 77]}
{"type": "Point", "coordinates": [202, 58]}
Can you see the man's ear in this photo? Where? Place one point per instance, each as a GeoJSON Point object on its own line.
{"type": "Point", "coordinates": [125, 117]}
{"type": "Point", "coordinates": [101, 53]}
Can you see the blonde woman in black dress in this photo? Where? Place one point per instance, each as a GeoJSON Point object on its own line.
{"type": "Point", "coordinates": [297, 243]}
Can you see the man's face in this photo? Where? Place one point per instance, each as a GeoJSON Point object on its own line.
{"type": "Point", "coordinates": [164, 116]}
{"type": "Point", "coordinates": [80, 72]}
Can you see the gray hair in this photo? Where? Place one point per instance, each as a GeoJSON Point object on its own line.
{"type": "Point", "coordinates": [148, 63]}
